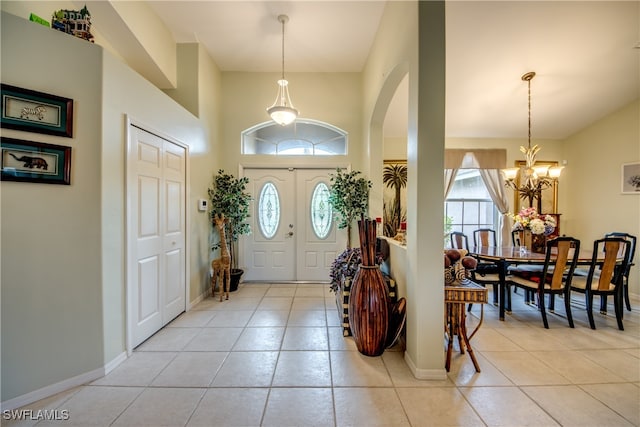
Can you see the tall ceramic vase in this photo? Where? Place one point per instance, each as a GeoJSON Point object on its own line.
{"type": "Point", "coordinates": [368, 303]}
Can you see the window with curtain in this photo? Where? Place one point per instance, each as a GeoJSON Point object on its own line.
{"type": "Point", "coordinates": [468, 204]}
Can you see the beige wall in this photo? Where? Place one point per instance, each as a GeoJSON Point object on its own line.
{"type": "Point", "coordinates": [593, 203]}
{"type": "Point", "coordinates": [334, 98]}
{"type": "Point", "coordinates": [63, 265]}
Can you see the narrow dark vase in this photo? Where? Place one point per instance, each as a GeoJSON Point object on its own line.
{"type": "Point", "coordinates": [369, 311]}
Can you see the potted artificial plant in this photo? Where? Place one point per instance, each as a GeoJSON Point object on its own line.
{"type": "Point", "coordinates": [229, 198]}
{"type": "Point", "coordinates": [349, 198]}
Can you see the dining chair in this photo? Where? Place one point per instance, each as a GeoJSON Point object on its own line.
{"type": "Point", "coordinates": [459, 240]}
{"type": "Point", "coordinates": [484, 237]}
{"type": "Point", "coordinates": [555, 278]}
{"type": "Point", "coordinates": [632, 252]}
{"type": "Point", "coordinates": [610, 279]}
{"type": "Point", "coordinates": [486, 273]}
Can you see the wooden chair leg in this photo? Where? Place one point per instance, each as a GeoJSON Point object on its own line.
{"type": "Point", "coordinates": [589, 304]}
{"type": "Point", "coordinates": [617, 304]}
{"type": "Point", "coordinates": [603, 304]}
{"type": "Point", "coordinates": [626, 294]}
{"type": "Point", "coordinates": [567, 308]}
{"type": "Point", "coordinates": [543, 311]}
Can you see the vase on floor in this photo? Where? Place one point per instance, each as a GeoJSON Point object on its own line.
{"type": "Point", "coordinates": [368, 300]}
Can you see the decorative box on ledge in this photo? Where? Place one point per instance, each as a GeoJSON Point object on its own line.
{"type": "Point", "coordinates": [342, 300]}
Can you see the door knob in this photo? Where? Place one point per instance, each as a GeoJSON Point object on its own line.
{"type": "Point", "coordinates": [290, 233]}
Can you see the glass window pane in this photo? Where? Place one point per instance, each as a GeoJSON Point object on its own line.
{"type": "Point", "coordinates": [321, 213]}
{"type": "Point", "coordinates": [269, 210]}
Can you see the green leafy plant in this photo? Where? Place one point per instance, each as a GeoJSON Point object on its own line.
{"type": "Point", "coordinates": [229, 197]}
{"type": "Point", "coordinates": [349, 197]}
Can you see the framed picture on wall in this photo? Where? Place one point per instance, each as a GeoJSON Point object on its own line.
{"type": "Point", "coordinates": [31, 111]}
{"type": "Point", "coordinates": [631, 178]}
{"type": "Point", "coordinates": [394, 195]}
{"type": "Point", "coordinates": [549, 195]}
{"type": "Point", "coordinates": [29, 161]}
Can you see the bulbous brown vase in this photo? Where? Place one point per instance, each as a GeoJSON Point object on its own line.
{"type": "Point", "coordinates": [369, 310]}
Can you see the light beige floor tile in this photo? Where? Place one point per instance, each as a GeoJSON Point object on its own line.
{"type": "Point", "coordinates": [241, 407]}
{"type": "Point", "coordinates": [260, 339]}
{"type": "Point", "coordinates": [207, 304]}
{"type": "Point", "coordinates": [169, 339]}
{"type": "Point", "coordinates": [161, 407]}
{"type": "Point", "coordinates": [401, 375]}
{"type": "Point", "coordinates": [622, 398]}
{"type": "Point", "coordinates": [231, 319]}
{"type": "Point", "coordinates": [463, 373]}
{"type": "Point", "coordinates": [576, 367]}
{"type": "Point", "coordinates": [619, 362]}
{"type": "Point", "coordinates": [299, 407]}
{"type": "Point", "coordinates": [579, 338]}
{"type": "Point", "coordinates": [138, 370]}
{"type": "Point", "coordinates": [269, 318]}
{"type": "Point", "coordinates": [488, 339]}
{"type": "Point", "coordinates": [506, 406]}
{"type": "Point", "coordinates": [247, 369]}
{"type": "Point", "coordinates": [337, 340]}
{"type": "Point", "coordinates": [280, 292]}
{"type": "Point", "coordinates": [308, 303]}
{"type": "Point", "coordinates": [524, 369]}
{"type": "Point", "coordinates": [303, 369]}
{"type": "Point", "coordinates": [276, 303]}
{"type": "Point", "coordinates": [307, 318]}
{"type": "Point", "coordinates": [533, 339]}
{"type": "Point", "coordinates": [239, 303]}
{"type": "Point", "coordinates": [96, 406]}
{"type": "Point", "coordinates": [571, 406]}
{"type": "Point", "coordinates": [437, 406]}
{"type": "Point", "coordinates": [368, 407]}
{"type": "Point", "coordinates": [192, 319]}
{"type": "Point", "coordinates": [311, 291]}
{"type": "Point", "coordinates": [190, 369]}
{"type": "Point", "coordinates": [252, 291]}
{"type": "Point", "coordinates": [305, 338]}
{"type": "Point", "coordinates": [333, 318]}
{"type": "Point", "coordinates": [214, 339]}
{"type": "Point", "coordinates": [352, 369]}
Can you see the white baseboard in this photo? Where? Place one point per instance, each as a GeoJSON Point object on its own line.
{"type": "Point", "coordinates": [199, 298]}
{"type": "Point", "coordinates": [425, 374]}
{"type": "Point", "coordinates": [69, 383]}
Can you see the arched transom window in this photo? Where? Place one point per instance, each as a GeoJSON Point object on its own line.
{"type": "Point", "coordinates": [303, 137]}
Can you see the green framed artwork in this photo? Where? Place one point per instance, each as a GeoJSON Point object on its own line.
{"type": "Point", "coordinates": [31, 111]}
{"type": "Point", "coordinates": [30, 161]}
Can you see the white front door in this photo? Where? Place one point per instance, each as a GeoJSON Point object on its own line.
{"type": "Point", "coordinates": [156, 216]}
{"type": "Point", "coordinates": [293, 235]}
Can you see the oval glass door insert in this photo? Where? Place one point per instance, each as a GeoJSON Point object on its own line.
{"type": "Point", "coordinates": [321, 212]}
{"type": "Point", "coordinates": [269, 210]}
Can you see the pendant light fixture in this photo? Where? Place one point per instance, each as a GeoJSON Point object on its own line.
{"type": "Point", "coordinates": [282, 110]}
{"type": "Point", "coordinates": [536, 177]}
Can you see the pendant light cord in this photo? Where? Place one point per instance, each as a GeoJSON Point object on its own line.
{"type": "Point", "coordinates": [283, 21]}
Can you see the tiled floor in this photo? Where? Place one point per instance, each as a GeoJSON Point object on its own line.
{"type": "Point", "coordinates": [274, 355]}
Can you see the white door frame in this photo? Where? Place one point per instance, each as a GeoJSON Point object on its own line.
{"type": "Point", "coordinates": [282, 165]}
{"type": "Point", "coordinates": [129, 122]}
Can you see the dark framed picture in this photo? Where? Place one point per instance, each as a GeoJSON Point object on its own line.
{"type": "Point", "coordinates": [631, 178]}
{"type": "Point", "coordinates": [30, 161]}
{"type": "Point", "coordinates": [32, 111]}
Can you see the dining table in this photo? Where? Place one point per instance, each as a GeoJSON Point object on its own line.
{"type": "Point", "coordinates": [504, 256]}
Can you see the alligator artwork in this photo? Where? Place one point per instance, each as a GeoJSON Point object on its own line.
{"type": "Point", "coordinates": [32, 162]}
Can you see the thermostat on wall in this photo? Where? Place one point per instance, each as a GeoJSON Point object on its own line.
{"type": "Point", "coordinates": [203, 204]}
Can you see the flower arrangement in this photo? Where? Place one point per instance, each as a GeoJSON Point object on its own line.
{"type": "Point", "coordinates": [529, 218]}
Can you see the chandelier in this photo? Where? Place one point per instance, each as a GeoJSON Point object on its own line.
{"type": "Point", "coordinates": [282, 110]}
{"type": "Point", "coordinates": [535, 177]}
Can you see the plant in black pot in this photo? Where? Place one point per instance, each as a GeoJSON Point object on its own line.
{"type": "Point", "coordinates": [229, 198]}
{"type": "Point", "coordinates": [349, 198]}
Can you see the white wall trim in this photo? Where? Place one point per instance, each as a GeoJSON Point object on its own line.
{"type": "Point", "coordinates": [52, 389]}
{"type": "Point", "coordinates": [110, 366]}
{"type": "Point", "coordinates": [425, 374]}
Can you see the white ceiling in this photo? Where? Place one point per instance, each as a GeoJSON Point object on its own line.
{"type": "Point", "coordinates": [585, 54]}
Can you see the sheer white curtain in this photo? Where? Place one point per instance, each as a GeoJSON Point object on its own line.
{"type": "Point", "coordinates": [449, 179]}
{"type": "Point", "coordinates": [495, 186]}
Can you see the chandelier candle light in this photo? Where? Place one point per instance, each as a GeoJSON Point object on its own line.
{"type": "Point", "coordinates": [282, 110]}
{"type": "Point", "coordinates": [536, 178]}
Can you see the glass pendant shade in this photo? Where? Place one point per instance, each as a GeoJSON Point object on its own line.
{"type": "Point", "coordinates": [282, 111]}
